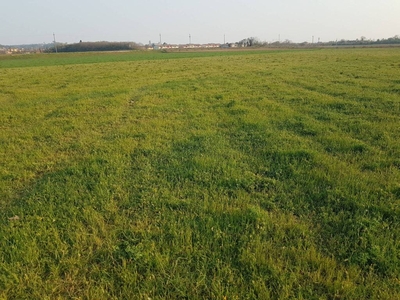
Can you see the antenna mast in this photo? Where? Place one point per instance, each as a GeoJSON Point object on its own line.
{"type": "Point", "coordinates": [55, 44]}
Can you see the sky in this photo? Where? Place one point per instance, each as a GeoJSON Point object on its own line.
{"type": "Point", "coordinates": [206, 21]}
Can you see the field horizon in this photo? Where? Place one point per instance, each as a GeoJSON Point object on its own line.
{"type": "Point", "coordinates": [200, 175]}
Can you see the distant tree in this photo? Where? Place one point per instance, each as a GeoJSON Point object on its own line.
{"type": "Point", "coordinates": [250, 42]}
{"type": "Point", "coordinates": [253, 41]}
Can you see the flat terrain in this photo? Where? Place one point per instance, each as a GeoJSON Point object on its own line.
{"type": "Point", "coordinates": [226, 175]}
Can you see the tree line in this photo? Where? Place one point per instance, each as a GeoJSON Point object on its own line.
{"type": "Point", "coordinates": [93, 46]}
{"type": "Point", "coordinates": [255, 42]}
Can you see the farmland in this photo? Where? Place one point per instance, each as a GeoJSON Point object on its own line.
{"type": "Point", "coordinates": [210, 175]}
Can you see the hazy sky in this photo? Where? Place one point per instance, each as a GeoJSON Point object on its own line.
{"type": "Point", "coordinates": [35, 21]}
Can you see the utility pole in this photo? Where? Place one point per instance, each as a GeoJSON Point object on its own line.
{"type": "Point", "coordinates": [279, 38]}
{"type": "Point", "coordinates": [190, 39]}
{"type": "Point", "coordinates": [313, 39]}
{"type": "Point", "coordinates": [55, 44]}
{"type": "Point", "coordinates": [160, 38]}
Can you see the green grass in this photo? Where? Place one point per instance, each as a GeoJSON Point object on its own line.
{"type": "Point", "coordinates": [60, 59]}
{"type": "Point", "coordinates": [215, 175]}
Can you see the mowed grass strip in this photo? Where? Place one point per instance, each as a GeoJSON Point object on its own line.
{"type": "Point", "coordinates": [248, 176]}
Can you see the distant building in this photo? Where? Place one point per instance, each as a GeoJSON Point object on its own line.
{"type": "Point", "coordinates": [168, 46]}
{"type": "Point", "coordinates": [229, 45]}
{"type": "Point", "coordinates": [211, 45]}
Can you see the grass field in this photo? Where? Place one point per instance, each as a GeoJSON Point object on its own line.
{"type": "Point", "coordinates": [226, 175]}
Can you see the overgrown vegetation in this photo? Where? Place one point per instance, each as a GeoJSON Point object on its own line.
{"type": "Point", "coordinates": [249, 175]}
